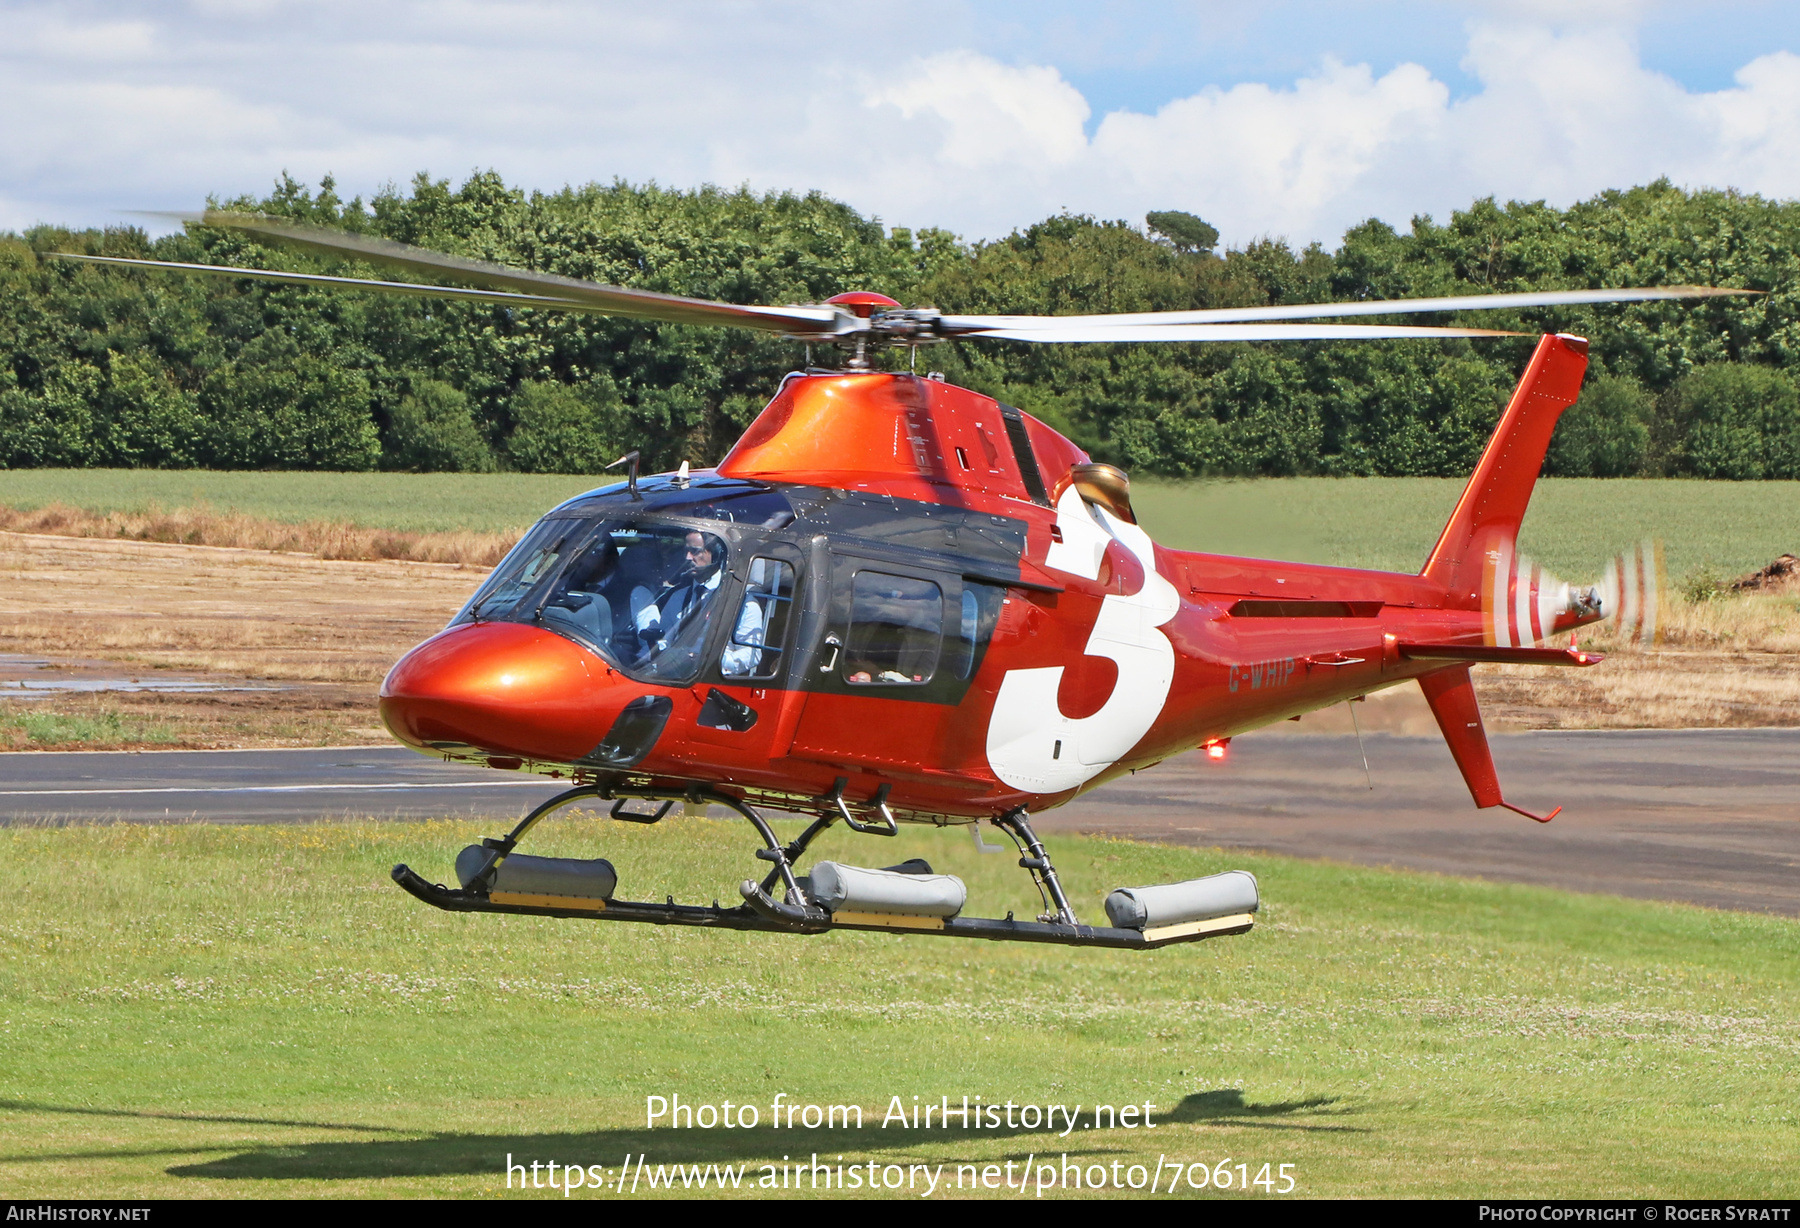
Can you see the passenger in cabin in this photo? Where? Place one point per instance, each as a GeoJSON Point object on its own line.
{"type": "Point", "coordinates": [896, 630]}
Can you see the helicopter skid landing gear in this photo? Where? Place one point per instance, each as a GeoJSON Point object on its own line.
{"type": "Point", "coordinates": [1033, 857]}
{"type": "Point", "coordinates": [795, 912]}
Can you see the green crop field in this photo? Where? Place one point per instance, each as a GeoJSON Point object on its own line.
{"type": "Point", "coordinates": [411, 502]}
{"type": "Point", "coordinates": [1575, 524]}
{"type": "Point", "coordinates": [190, 1011]}
{"type": "Point", "coordinates": [1573, 527]}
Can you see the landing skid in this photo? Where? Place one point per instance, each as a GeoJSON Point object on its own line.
{"type": "Point", "coordinates": [762, 912]}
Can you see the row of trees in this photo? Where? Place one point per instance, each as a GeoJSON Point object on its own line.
{"type": "Point", "coordinates": [103, 366]}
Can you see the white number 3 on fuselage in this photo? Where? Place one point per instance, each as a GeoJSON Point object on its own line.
{"type": "Point", "coordinates": [1030, 743]}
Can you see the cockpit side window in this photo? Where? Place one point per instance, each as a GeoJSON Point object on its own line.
{"type": "Point", "coordinates": [980, 611]}
{"type": "Point", "coordinates": [671, 627]}
{"type": "Point", "coordinates": [896, 630]}
{"type": "Point", "coordinates": [760, 633]}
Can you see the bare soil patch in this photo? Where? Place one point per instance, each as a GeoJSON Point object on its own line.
{"type": "Point", "coordinates": [327, 630]}
{"type": "Point", "coordinates": [248, 613]}
{"type": "Point", "coordinates": [1780, 576]}
{"type": "Point", "coordinates": [1664, 688]}
{"type": "Point", "coordinates": [307, 714]}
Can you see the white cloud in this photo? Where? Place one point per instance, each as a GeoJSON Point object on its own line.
{"type": "Point", "coordinates": [48, 36]}
{"type": "Point", "coordinates": [118, 105]}
{"type": "Point", "coordinates": [1255, 159]}
{"type": "Point", "coordinates": [988, 114]}
{"type": "Point", "coordinates": [1561, 114]}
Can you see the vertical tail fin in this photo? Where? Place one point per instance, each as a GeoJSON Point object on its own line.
{"type": "Point", "coordinates": [1484, 528]}
{"type": "Point", "coordinates": [1477, 563]}
{"type": "Point", "coordinates": [1451, 695]}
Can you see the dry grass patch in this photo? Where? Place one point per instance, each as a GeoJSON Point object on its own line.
{"type": "Point", "coordinates": [202, 526]}
{"type": "Point", "coordinates": [1756, 622]}
{"type": "Point", "coordinates": [1725, 662]}
{"type": "Point", "coordinates": [1658, 689]}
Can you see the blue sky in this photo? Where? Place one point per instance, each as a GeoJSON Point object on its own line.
{"type": "Point", "coordinates": [1138, 55]}
{"type": "Point", "coordinates": [1288, 119]}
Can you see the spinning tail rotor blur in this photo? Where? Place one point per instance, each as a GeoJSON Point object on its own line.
{"type": "Point", "coordinates": [1632, 589]}
{"type": "Point", "coordinates": [1523, 605]}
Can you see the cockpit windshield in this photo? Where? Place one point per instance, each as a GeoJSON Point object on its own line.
{"type": "Point", "coordinates": [640, 592]}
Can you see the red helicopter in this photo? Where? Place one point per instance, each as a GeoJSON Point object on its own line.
{"type": "Point", "coordinates": [900, 601]}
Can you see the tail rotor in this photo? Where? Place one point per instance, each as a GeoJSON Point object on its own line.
{"type": "Point", "coordinates": [1631, 593]}
{"type": "Point", "coordinates": [1523, 605]}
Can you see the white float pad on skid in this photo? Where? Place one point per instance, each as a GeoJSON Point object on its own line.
{"type": "Point", "coordinates": [1198, 899]}
{"type": "Point", "coordinates": [841, 888]}
{"type": "Point", "coordinates": [522, 875]}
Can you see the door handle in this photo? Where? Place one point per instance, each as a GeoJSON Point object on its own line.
{"type": "Point", "coordinates": [832, 642]}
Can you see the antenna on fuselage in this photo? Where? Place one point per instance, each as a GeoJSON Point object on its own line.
{"type": "Point", "coordinates": [1351, 705]}
{"type": "Point", "coordinates": [631, 478]}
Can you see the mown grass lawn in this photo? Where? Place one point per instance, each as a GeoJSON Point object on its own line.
{"type": "Point", "coordinates": [193, 1011]}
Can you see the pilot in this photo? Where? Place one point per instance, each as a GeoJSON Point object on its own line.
{"type": "Point", "coordinates": [684, 595]}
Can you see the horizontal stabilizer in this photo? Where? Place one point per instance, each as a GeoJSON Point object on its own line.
{"type": "Point", "coordinates": [1501, 656]}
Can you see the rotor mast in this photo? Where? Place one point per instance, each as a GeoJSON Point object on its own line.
{"type": "Point", "coordinates": [862, 304]}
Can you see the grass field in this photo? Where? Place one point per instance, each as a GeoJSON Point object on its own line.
{"type": "Point", "coordinates": [1574, 526]}
{"type": "Point", "coordinates": [193, 1011]}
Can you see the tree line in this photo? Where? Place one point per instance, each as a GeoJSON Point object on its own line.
{"type": "Point", "coordinates": [111, 367]}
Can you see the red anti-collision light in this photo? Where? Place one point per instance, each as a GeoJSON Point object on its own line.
{"type": "Point", "coordinates": [862, 303]}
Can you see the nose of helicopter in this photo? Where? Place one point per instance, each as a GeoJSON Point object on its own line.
{"type": "Point", "coordinates": [505, 690]}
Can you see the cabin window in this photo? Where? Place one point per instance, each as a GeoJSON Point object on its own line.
{"type": "Point", "coordinates": [980, 610]}
{"type": "Point", "coordinates": [760, 631]}
{"type": "Point", "coordinates": [896, 630]}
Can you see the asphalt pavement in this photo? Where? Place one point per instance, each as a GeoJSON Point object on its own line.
{"type": "Point", "coordinates": [1709, 817]}
{"type": "Point", "coordinates": [1703, 816]}
{"type": "Point", "coordinates": [254, 786]}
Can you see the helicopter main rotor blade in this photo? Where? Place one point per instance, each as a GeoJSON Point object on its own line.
{"type": "Point", "coordinates": [503, 298]}
{"type": "Point", "coordinates": [1227, 332]}
{"type": "Point", "coordinates": [960, 325]}
{"type": "Point", "coordinates": [544, 289]}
